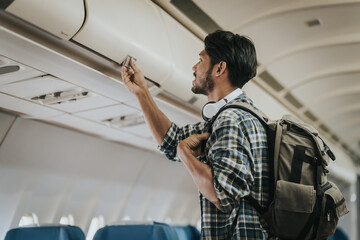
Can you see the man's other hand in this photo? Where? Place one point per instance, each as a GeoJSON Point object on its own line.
{"type": "Point", "coordinates": [192, 145]}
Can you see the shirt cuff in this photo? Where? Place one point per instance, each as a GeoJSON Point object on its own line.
{"type": "Point", "coordinates": [227, 204]}
{"type": "Point", "coordinates": [169, 144]}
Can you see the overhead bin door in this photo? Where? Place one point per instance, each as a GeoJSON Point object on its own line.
{"type": "Point", "coordinates": [117, 28]}
{"type": "Point", "coordinates": [185, 48]}
{"type": "Point", "coordinates": [61, 18]}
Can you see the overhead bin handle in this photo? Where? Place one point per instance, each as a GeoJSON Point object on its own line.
{"type": "Point", "coordinates": [126, 61]}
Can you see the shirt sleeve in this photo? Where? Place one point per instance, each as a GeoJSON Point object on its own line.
{"type": "Point", "coordinates": [176, 134]}
{"type": "Point", "coordinates": [231, 158]}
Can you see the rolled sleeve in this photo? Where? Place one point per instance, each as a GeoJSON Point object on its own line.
{"type": "Point", "coordinates": [176, 134]}
{"type": "Point", "coordinates": [231, 163]}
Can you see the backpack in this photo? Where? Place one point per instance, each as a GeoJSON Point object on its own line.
{"type": "Point", "coordinates": [303, 203]}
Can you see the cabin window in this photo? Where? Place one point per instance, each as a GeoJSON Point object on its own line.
{"type": "Point", "coordinates": [95, 224]}
{"type": "Point", "coordinates": [29, 219]}
{"type": "Point", "coordinates": [67, 220]}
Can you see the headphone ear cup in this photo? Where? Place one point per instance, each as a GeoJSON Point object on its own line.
{"type": "Point", "coordinates": [209, 110]}
{"type": "Point", "coordinates": [203, 114]}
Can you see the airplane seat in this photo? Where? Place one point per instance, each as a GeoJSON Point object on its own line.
{"type": "Point", "coordinates": [339, 235]}
{"type": "Point", "coordinates": [136, 232]}
{"type": "Point", "coordinates": [45, 233]}
{"type": "Point", "coordinates": [169, 231]}
{"type": "Point", "coordinates": [187, 232]}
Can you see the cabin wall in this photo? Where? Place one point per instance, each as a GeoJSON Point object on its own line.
{"type": "Point", "coordinates": [52, 171]}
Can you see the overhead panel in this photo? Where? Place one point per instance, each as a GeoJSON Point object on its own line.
{"type": "Point", "coordinates": [26, 108]}
{"type": "Point", "coordinates": [102, 114]}
{"type": "Point", "coordinates": [61, 18]}
{"type": "Point", "coordinates": [11, 71]}
{"type": "Point", "coordinates": [117, 28]}
{"type": "Point", "coordinates": [55, 93]}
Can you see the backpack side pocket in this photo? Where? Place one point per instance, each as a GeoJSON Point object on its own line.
{"type": "Point", "coordinates": [333, 207]}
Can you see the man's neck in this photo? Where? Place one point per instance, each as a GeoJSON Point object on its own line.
{"type": "Point", "coordinates": [219, 93]}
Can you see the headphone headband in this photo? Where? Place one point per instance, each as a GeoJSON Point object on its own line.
{"type": "Point", "coordinates": [210, 109]}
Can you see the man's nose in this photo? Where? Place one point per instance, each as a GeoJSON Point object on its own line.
{"type": "Point", "coordinates": [194, 67]}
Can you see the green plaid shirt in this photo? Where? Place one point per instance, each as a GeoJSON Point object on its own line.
{"type": "Point", "coordinates": [237, 154]}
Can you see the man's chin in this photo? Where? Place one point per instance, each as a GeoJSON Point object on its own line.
{"type": "Point", "coordinates": [197, 90]}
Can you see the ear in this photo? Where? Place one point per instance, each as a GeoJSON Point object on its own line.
{"type": "Point", "coordinates": [220, 68]}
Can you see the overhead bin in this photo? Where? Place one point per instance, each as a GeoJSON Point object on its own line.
{"type": "Point", "coordinates": [185, 49]}
{"type": "Point", "coordinates": [61, 18]}
{"type": "Point", "coordinates": [117, 28]}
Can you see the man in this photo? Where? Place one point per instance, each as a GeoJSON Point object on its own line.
{"type": "Point", "coordinates": [235, 162]}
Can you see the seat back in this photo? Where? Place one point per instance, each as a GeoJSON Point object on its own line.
{"type": "Point", "coordinates": [136, 232]}
{"type": "Point", "coordinates": [187, 233]}
{"type": "Point", "coordinates": [45, 233]}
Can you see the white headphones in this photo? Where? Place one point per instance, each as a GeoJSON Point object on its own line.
{"type": "Point", "coordinates": [210, 109]}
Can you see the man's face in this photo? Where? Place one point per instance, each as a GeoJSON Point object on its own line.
{"type": "Point", "coordinates": [203, 82]}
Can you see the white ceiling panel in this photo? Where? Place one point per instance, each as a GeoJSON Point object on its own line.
{"type": "Point", "coordinates": [288, 31]}
{"type": "Point", "coordinates": [304, 65]}
{"type": "Point", "coordinates": [319, 88]}
{"type": "Point", "coordinates": [83, 124]}
{"type": "Point", "coordinates": [326, 106]}
{"type": "Point", "coordinates": [231, 14]}
{"type": "Point", "coordinates": [104, 131]}
{"type": "Point", "coordinates": [343, 121]}
{"type": "Point", "coordinates": [33, 110]}
{"type": "Point", "coordinates": [91, 102]}
{"type": "Point", "coordinates": [108, 112]}
{"type": "Point", "coordinates": [23, 73]}
{"type": "Point", "coordinates": [139, 130]}
{"type": "Point", "coordinates": [36, 86]}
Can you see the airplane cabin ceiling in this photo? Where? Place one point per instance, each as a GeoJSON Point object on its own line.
{"type": "Point", "coordinates": [308, 54]}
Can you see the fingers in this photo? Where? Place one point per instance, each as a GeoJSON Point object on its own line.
{"type": "Point", "coordinates": [203, 136]}
{"type": "Point", "coordinates": [126, 73]}
{"type": "Point", "coordinates": [133, 66]}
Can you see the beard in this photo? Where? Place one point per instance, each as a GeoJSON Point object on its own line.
{"type": "Point", "coordinates": [206, 84]}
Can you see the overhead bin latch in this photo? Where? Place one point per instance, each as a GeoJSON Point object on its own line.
{"type": "Point", "coordinates": [126, 61]}
{"type": "Point", "coordinates": [153, 86]}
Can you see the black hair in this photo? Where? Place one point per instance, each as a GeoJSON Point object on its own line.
{"type": "Point", "coordinates": [237, 51]}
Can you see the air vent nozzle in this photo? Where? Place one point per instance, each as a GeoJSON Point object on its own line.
{"type": "Point", "coordinates": [60, 97]}
{"type": "Point", "coordinates": [125, 120]}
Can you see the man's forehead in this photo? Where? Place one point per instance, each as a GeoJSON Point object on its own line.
{"type": "Point", "coordinates": [202, 53]}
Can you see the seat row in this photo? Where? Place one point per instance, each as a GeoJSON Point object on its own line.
{"type": "Point", "coordinates": [155, 231]}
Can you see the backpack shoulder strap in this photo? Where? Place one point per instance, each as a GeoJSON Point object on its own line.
{"type": "Point", "coordinates": [247, 107]}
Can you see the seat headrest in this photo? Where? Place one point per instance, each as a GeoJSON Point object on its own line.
{"type": "Point", "coordinates": [45, 233]}
{"type": "Point", "coordinates": [136, 232]}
